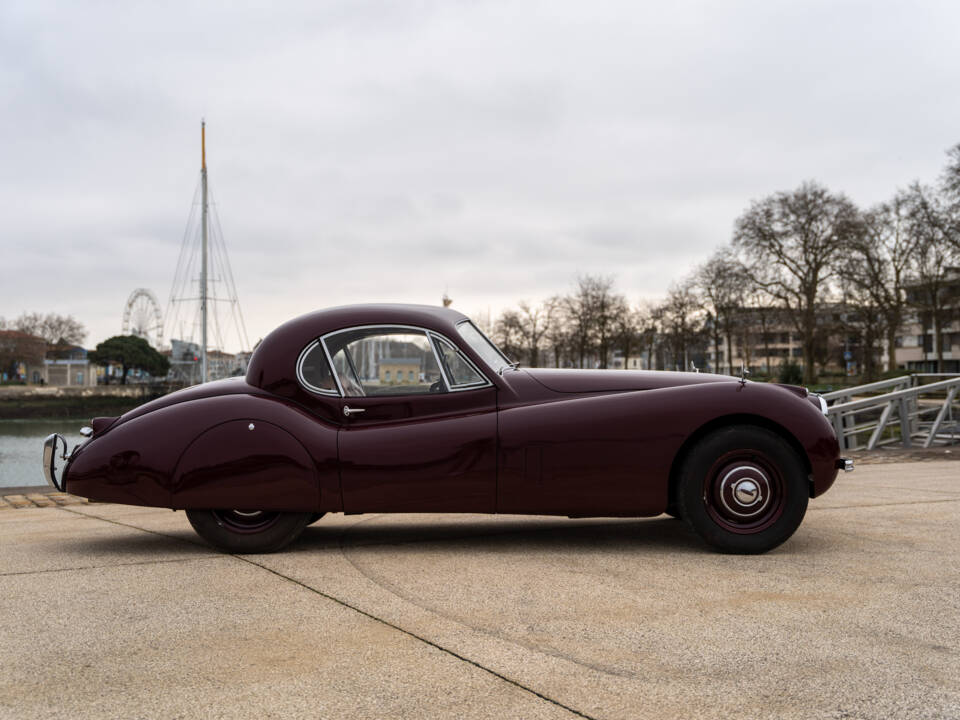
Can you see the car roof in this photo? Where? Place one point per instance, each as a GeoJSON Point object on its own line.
{"type": "Point", "coordinates": [274, 358]}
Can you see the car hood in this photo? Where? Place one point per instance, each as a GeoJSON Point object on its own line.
{"type": "Point", "coordinates": [584, 381]}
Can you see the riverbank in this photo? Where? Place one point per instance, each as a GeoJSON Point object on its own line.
{"type": "Point", "coordinates": [29, 402]}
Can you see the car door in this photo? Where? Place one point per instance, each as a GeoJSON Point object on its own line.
{"type": "Point", "coordinates": [419, 423]}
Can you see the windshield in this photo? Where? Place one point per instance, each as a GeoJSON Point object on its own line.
{"type": "Point", "coordinates": [479, 343]}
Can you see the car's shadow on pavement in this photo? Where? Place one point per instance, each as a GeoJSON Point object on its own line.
{"type": "Point", "coordinates": [138, 545]}
{"type": "Point", "coordinates": [607, 534]}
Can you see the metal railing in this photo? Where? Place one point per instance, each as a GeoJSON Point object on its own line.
{"type": "Point", "coordinates": [907, 413]}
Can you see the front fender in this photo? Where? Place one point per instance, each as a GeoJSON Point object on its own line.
{"type": "Point", "coordinates": [614, 454]}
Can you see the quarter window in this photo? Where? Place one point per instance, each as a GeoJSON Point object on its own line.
{"type": "Point", "coordinates": [314, 371]}
{"type": "Point", "coordinates": [460, 371]}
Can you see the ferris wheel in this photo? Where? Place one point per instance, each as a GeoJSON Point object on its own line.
{"type": "Point", "coordinates": [142, 317]}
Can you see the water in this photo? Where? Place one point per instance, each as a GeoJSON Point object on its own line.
{"type": "Point", "coordinates": [21, 448]}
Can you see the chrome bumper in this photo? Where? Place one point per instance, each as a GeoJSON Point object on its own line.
{"type": "Point", "coordinates": [51, 444]}
{"type": "Point", "coordinates": [845, 464]}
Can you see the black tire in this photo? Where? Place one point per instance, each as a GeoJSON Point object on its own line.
{"type": "Point", "coordinates": [241, 531]}
{"type": "Point", "coordinates": [742, 489]}
{"type": "Point", "coordinates": [315, 517]}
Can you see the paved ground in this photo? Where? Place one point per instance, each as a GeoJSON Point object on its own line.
{"type": "Point", "coordinates": [112, 611]}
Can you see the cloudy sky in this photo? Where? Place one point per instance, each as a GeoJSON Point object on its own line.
{"type": "Point", "coordinates": [391, 151]}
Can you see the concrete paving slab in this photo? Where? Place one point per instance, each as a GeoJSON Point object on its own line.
{"type": "Point", "coordinates": [220, 638]}
{"type": "Point", "coordinates": [46, 539]}
{"type": "Point", "coordinates": [854, 617]}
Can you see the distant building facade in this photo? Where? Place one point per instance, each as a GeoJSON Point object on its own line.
{"type": "Point", "coordinates": [919, 339]}
{"type": "Point", "coordinates": [399, 371]}
{"type": "Point", "coordinates": [69, 366]}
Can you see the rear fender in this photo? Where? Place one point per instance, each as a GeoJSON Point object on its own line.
{"type": "Point", "coordinates": [247, 464]}
{"type": "Point", "coordinates": [200, 453]}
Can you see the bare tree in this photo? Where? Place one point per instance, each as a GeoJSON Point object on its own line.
{"type": "Point", "coordinates": [536, 323]}
{"type": "Point", "coordinates": [935, 249]}
{"type": "Point", "coordinates": [878, 265]}
{"type": "Point", "coordinates": [951, 179]}
{"type": "Point", "coordinates": [792, 243]}
{"type": "Point", "coordinates": [859, 318]}
{"type": "Point", "coordinates": [758, 313]}
{"type": "Point", "coordinates": [557, 334]}
{"type": "Point", "coordinates": [590, 311]}
{"type": "Point", "coordinates": [628, 337]}
{"type": "Point", "coordinates": [520, 333]}
{"type": "Point", "coordinates": [18, 346]}
{"type": "Point", "coordinates": [54, 328]}
{"type": "Point", "coordinates": [608, 308]}
{"type": "Point", "coordinates": [508, 334]}
{"type": "Point", "coordinates": [722, 282]}
{"type": "Point", "coordinates": [681, 322]}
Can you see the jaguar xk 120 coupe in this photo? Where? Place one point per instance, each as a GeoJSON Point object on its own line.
{"type": "Point", "coordinates": [407, 408]}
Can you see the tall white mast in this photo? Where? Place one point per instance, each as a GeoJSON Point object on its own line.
{"type": "Point", "coordinates": [203, 264]}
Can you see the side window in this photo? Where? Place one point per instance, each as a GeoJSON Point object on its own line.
{"type": "Point", "coordinates": [460, 371]}
{"type": "Point", "coordinates": [314, 371]}
{"type": "Point", "coordinates": [385, 361]}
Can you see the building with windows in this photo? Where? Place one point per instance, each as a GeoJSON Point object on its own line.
{"type": "Point", "coordinates": [69, 366]}
{"type": "Point", "coordinates": [923, 336]}
{"type": "Point", "coordinates": [396, 371]}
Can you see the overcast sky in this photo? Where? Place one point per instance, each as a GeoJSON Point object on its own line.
{"type": "Point", "coordinates": [368, 151]}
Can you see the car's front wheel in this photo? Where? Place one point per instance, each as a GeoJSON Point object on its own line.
{"type": "Point", "coordinates": [248, 531]}
{"type": "Point", "coordinates": [743, 489]}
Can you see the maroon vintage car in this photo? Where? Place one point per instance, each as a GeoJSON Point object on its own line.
{"type": "Point", "coordinates": [407, 408]}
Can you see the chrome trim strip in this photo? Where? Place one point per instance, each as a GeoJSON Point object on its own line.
{"type": "Point", "coordinates": [428, 333]}
{"type": "Point", "coordinates": [457, 387]}
{"type": "Point", "coordinates": [823, 404]}
{"type": "Point", "coordinates": [432, 339]}
{"type": "Point", "coordinates": [333, 369]}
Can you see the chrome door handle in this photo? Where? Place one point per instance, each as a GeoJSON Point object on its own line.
{"type": "Point", "coordinates": [348, 411]}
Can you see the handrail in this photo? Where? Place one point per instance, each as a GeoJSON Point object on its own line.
{"type": "Point", "coordinates": [887, 397]}
{"type": "Point", "coordinates": [900, 407]}
{"type": "Point", "coordinates": [857, 389]}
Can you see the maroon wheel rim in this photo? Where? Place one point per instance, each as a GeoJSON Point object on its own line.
{"type": "Point", "coordinates": [744, 492]}
{"type": "Point", "coordinates": [246, 521]}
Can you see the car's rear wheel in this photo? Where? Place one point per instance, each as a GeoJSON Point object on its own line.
{"type": "Point", "coordinates": [743, 489]}
{"type": "Point", "coordinates": [248, 531]}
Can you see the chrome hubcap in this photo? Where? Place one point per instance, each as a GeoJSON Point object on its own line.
{"type": "Point", "coordinates": [744, 491]}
